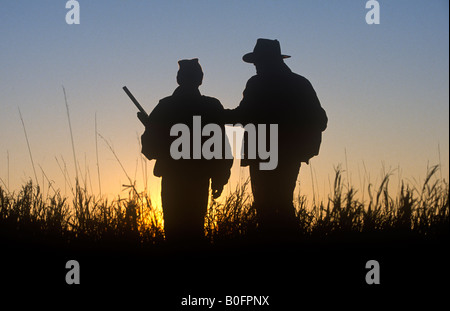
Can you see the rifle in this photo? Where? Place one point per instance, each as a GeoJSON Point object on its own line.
{"type": "Point", "coordinates": [134, 100]}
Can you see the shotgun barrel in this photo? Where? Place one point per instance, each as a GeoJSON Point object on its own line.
{"type": "Point", "coordinates": [134, 100]}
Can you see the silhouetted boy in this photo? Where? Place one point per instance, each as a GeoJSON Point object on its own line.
{"type": "Point", "coordinates": [276, 95]}
{"type": "Point", "coordinates": [185, 182]}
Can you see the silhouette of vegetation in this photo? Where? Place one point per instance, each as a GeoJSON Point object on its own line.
{"type": "Point", "coordinates": [29, 215]}
{"type": "Point", "coordinates": [423, 211]}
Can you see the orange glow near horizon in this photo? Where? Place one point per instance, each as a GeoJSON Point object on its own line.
{"type": "Point", "coordinates": [385, 91]}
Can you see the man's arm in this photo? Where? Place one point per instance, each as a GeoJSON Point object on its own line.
{"type": "Point", "coordinates": [317, 114]}
{"type": "Point", "coordinates": [240, 114]}
{"type": "Point", "coordinates": [152, 140]}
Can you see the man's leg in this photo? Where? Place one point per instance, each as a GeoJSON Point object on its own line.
{"type": "Point", "coordinates": [288, 222]}
{"type": "Point", "coordinates": [195, 208]}
{"type": "Point", "coordinates": [170, 201]}
{"type": "Point", "coordinates": [273, 197]}
{"type": "Point", "coordinates": [184, 202]}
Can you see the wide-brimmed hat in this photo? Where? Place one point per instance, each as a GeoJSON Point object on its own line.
{"type": "Point", "coordinates": [265, 50]}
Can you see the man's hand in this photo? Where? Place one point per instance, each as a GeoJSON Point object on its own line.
{"type": "Point", "coordinates": [142, 117]}
{"type": "Point", "coordinates": [216, 190]}
{"type": "Point", "coordinates": [218, 182]}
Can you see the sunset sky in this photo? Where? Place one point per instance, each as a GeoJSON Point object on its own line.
{"type": "Point", "coordinates": [384, 87]}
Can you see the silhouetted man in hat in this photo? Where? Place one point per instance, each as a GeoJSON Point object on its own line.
{"type": "Point", "coordinates": [276, 95]}
{"type": "Point", "coordinates": [185, 181]}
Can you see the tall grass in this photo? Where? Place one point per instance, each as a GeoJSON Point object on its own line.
{"type": "Point", "coordinates": [423, 210]}
{"type": "Point", "coordinates": [26, 214]}
{"type": "Point", "coordinates": [233, 218]}
{"type": "Point", "coordinates": [30, 214]}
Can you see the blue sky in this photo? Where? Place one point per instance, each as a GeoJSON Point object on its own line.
{"type": "Point", "coordinates": [384, 87]}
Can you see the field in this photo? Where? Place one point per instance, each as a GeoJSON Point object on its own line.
{"type": "Point", "coordinates": [406, 231]}
{"type": "Point", "coordinates": [30, 215]}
